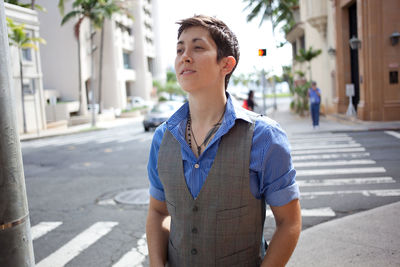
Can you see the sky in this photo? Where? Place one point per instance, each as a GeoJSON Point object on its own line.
{"type": "Point", "coordinates": [251, 37]}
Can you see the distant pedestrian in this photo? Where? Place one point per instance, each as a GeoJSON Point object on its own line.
{"type": "Point", "coordinates": [249, 102]}
{"type": "Point", "coordinates": [314, 95]}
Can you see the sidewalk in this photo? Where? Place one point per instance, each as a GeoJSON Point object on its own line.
{"type": "Point", "coordinates": [369, 238]}
{"type": "Point", "coordinates": [57, 131]}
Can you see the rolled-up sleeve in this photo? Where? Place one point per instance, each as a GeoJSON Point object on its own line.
{"type": "Point", "coordinates": [156, 187]}
{"type": "Point", "coordinates": [277, 175]}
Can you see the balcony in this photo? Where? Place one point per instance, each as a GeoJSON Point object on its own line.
{"type": "Point", "coordinates": [317, 15]}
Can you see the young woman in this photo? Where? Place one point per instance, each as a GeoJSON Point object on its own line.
{"type": "Point", "coordinates": [214, 166]}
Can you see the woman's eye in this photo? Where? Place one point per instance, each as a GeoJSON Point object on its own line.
{"type": "Point", "coordinates": [179, 51]}
{"type": "Point", "coordinates": [198, 47]}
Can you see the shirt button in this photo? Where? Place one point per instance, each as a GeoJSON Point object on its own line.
{"type": "Point", "coordinates": [194, 230]}
{"type": "Point", "coordinates": [193, 251]}
{"type": "Point", "coordinates": [195, 208]}
{"type": "Point", "coordinates": [196, 166]}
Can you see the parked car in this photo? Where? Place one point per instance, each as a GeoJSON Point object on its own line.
{"type": "Point", "coordinates": [160, 113]}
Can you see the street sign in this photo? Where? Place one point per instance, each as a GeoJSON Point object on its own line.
{"type": "Point", "coordinates": [350, 89]}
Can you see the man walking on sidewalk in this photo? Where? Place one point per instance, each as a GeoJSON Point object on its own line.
{"type": "Point", "coordinates": [314, 94]}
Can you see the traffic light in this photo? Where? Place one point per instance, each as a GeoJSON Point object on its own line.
{"type": "Point", "coordinates": [262, 52]}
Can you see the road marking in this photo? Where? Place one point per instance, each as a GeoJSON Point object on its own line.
{"type": "Point", "coordinates": [136, 256]}
{"type": "Point", "coordinates": [78, 244]}
{"type": "Point", "coordinates": [312, 147]}
{"type": "Point", "coordinates": [333, 163]}
{"type": "Point", "coordinates": [318, 151]}
{"type": "Point", "coordinates": [331, 156]}
{"type": "Point", "coordinates": [320, 143]}
{"type": "Point", "coordinates": [43, 228]}
{"type": "Point", "coordinates": [393, 133]}
{"type": "Point", "coordinates": [325, 139]}
{"type": "Point", "coordinates": [339, 171]}
{"type": "Point", "coordinates": [367, 193]}
{"type": "Point", "coordinates": [346, 181]}
{"type": "Point", "coordinates": [317, 136]}
{"type": "Point", "coordinates": [319, 212]}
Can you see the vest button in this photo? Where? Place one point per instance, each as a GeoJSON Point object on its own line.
{"type": "Point", "coordinates": [193, 251]}
{"type": "Point", "coordinates": [194, 230]}
{"type": "Point", "coordinates": [196, 166]}
{"type": "Point", "coordinates": [195, 208]}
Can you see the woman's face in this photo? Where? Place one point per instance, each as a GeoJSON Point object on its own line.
{"type": "Point", "coordinates": [196, 63]}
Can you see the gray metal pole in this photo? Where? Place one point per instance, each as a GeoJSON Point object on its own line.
{"type": "Point", "coordinates": [15, 239]}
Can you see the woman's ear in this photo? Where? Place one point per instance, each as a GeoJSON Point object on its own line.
{"type": "Point", "coordinates": [228, 63]}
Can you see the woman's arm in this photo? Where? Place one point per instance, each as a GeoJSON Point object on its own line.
{"type": "Point", "coordinates": [284, 240]}
{"type": "Point", "coordinates": [157, 232]}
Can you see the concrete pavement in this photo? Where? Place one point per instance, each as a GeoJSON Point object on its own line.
{"type": "Point", "coordinates": [370, 238]}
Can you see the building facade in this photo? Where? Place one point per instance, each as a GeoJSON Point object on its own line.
{"type": "Point", "coordinates": [32, 92]}
{"type": "Point", "coordinates": [373, 66]}
{"type": "Point", "coordinates": [129, 57]}
{"type": "Point", "coordinates": [360, 47]}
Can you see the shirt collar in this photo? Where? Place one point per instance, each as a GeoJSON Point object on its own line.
{"type": "Point", "coordinates": [233, 112]}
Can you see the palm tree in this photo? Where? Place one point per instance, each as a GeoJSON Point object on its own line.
{"type": "Point", "coordinates": [308, 56]}
{"type": "Point", "coordinates": [18, 38]}
{"type": "Point", "coordinates": [275, 10]}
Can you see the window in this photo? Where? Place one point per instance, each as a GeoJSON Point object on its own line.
{"type": "Point", "coordinates": [302, 42]}
{"type": "Point", "coordinates": [27, 54]}
{"type": "Point", "coordinates": [294, 49]}
{"type": "Point", "coordinates": [393, 77]}
{"type": "Point", "coordinates": [29, 86]}
{"type": "Point", "coordinates": [127, 60]}
{"type": "Point", "coordinates": [150, 65]}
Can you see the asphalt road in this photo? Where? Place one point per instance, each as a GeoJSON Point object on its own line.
{"type": "Point", "coordinates": [72, 182]}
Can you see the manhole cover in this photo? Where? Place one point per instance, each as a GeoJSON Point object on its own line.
{"type": "Point", "coordinates": [133, 197]}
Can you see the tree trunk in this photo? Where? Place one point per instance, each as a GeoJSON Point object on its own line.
{"type": "Point", "coordinates": [22, 90]}
{"type": "Point", "coordinates": [80, 75]}
{"type": "Point", "coordinates": [33, 4]}
{"type": "Point", "coordinates": [101, 67]}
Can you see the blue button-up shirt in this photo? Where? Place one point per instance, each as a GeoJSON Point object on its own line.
{"type": "Point", "coordinates": [272, 175]}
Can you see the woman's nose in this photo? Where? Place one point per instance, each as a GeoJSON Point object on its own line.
{"type": "Point", "coordinates": [186, 58]}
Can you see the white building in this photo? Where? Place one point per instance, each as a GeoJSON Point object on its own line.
{"type": "Point", "coordinates": [315, 28]}
{"type": "Point", "coordinates": [129, 57]}
{"type": "Point", "coordinates": [32, 73]}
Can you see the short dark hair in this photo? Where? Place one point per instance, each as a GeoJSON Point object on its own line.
{"type": "Point", "coordinates": [224, 38]}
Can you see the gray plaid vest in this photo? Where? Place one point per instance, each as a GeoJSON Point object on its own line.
{"type": "Point", "coordinates": [223, 226]}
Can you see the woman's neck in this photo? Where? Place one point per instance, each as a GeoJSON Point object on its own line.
{"type": "Point", "coordinates": [207, 109]}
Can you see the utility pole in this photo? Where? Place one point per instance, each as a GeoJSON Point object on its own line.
{"type": "Point", "coordinates": [15, 239]}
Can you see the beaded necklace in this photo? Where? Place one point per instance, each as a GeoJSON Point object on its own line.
{"type": "Point", "coordinates": [207, 139]}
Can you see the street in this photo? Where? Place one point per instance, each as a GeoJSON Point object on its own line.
{"type": "Point", "coordinates": [73, 182]}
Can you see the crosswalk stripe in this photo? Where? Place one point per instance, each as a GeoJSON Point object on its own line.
{"type": "Point", "coordinates": [331, 156]}
{"type": "Point", "coordinates": [346, 181]}
{"type": "Point", "coordinates": [43, 228]}
{"type": "Point", "coordinates": [339, 171]}
{"type": "Point", "coordinates": [75, 246]}
{"type": "Point", "coordinates": [325, 139]}
{"type": "Point", "coordinates": [319, 212]}
{"type": "Point", "coordinates": [334, 163]}
{"type": "Point", "coordinates": [136, 256]}
{"type": "Point", "coordinates": [367, 193]}
{"type": "Point", "coordinates": [311, 147]}
{"type": "Point", "coordinates": [333, 150]}
{"type": "Point", "coordinates": [317, 136]}
{"type": "Point", "coordinates": [393, 133]}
